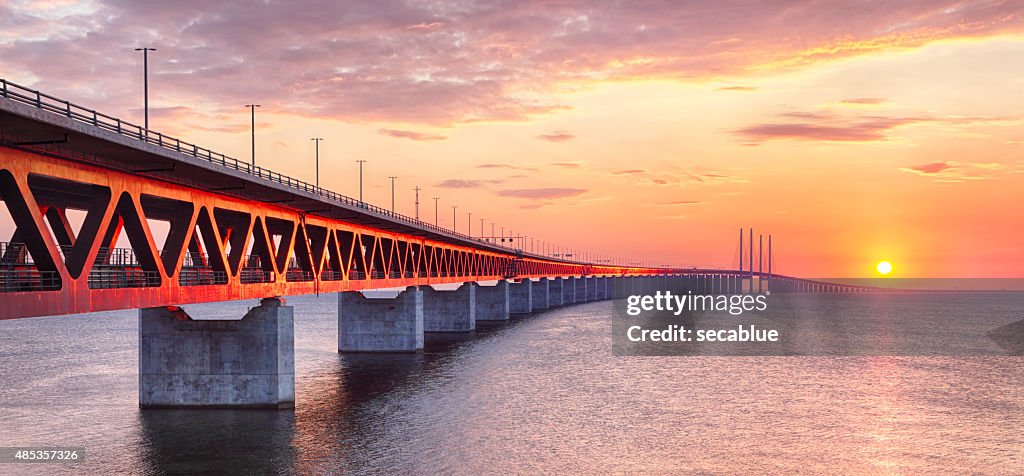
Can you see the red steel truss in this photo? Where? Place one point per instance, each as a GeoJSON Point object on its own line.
{"type": "Point", "coordinates": [217, 248]}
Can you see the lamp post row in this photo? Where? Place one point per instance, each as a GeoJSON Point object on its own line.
{"type": "Point", "coordinates": [252, 117]}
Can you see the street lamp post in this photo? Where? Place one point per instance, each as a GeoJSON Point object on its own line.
{"type": "Point", "coordinates": [454, 222]}
{"type": "Point", "coordinates": [393, 177]}
{"type": "Point", "coordinates": [361, 162]}
{"type": "Point", "coordinates": [417, 189]}
{"type": "Point", "coordinates": [145, 82]}
{"type": "Point", "coordinates": [253, 119]}
{"type": "Point", "coordinates": [469, 224]}
{"type": "Point", "coordinates": [435, 211]}
{"type": "Point", "coordinates": [317, 141]}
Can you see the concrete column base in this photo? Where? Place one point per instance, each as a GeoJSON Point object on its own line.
{"type": "Point", "coordinates": [619, 285]}
{"type": "Point", "coordinates": [600, 288]}
{"type": "Point", "coordinates": [492, 302]}
{"type": "Point", "coordinates": [449, 310]}
{"type": "Point", "coordinates": [568, 290]}
{"type": "Point", "coordinates": [541, 290]}
{"type": "Point", "coordinates": [246, 363]}
{"type": "Point", "coordinates": [383, 322]}
{"type": "Point", "coordinates": [581, 289]}
{"type": "Point", "coordinates": [556, 287]}
{"type": "Point", "coordinates": [520, 297]}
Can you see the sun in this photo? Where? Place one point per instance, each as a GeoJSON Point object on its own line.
{"type": "Point", "coordinates": [884, 267]}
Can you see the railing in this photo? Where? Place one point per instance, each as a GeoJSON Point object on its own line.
{"type": "Point", "coordinates": [20, 280]}
{"type": "Point", "coordinates": [331, 275]}
{"type": "Point", "coordinates": [75, 112]}
{"type": "Point", "coordinates": [298, 274]}
{"type": "Point", "coordinates": [14, 253]}
{"type": "Point", "coordinates": [255, 275]}
{"type": "Point", "coordinates": [197, 276]}
{"type": "Point", "coordinates": [123, 278]}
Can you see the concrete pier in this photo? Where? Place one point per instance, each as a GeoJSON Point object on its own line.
{"type": "Point", "coordinates": [569, 290]}
{"type": "Point", "coordinates": [591, 288]}
{"type": "Point", "coordinates": [541, 290]}
{"type": "Point", "coordinates": [520, 297]}
{"type": "Point", "coordinates": [492, 302]}
{"type": "Point", "coordinates": [449, 310]}
{"type": "Point", "coordinates": [600, 288]}
{"type": "Point", "coordinates": [245, 363]}
{"type": "Point", "coordinates": [581, 289]}
{"type": "Point", "coordinates": [556, 288]}
{"type": "Point", "coordinates": [382, 322]}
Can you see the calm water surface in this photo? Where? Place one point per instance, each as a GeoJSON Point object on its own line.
{"type": "Point", "coordinates": [539, 395]}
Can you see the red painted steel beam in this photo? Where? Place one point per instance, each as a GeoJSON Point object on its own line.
{"type": "Point", "coordinates": [242, 250]}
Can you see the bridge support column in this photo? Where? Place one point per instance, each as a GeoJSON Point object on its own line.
{"type": "Point", "coordinates": [591, 288]}
{"type": "Point", "coordinates": [520, 297]}
{"type": "Point", "coordinates": [569, 290]}
{"type": "Point", "coordinates": [556, 286]}
{"type": "Point", "coordinates": [449, 311]}
{"type": "Point", "coordinates": [581, 289]}
{"type": "Point", "coordinates": [492, 302]}
{"type": "Point", "coordinates": [541, 290]}
{"type": "Point", "coordinates": [217, 363]}
{"type": "Point", "coordinates": [380, 324]}
{"type": "Point", "coordinates": [616, 287]}
{"type": "Point", "coordinates": [600, 288]}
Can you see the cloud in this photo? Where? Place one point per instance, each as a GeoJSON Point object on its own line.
{"type": "Point", "coordinates": [672, 176]}
{"type": "Point", "coordinates": [557, 136]}
{"type": "Point", "coordinates": [951, 172]}
{"type": "Point", "coordinates": [930, 168]}
{"type": "Point", "coordinates": [440, 63]}
{"type": "Point", "coordinates": [413, 135]}
{"type": "Point", "coordinates": [542, 193]}
{"type": "Point", "coordinates": [464, 183]}
{"type": "Point", "coordinates": [506, 166]}
{"type": "Point", "coordinates": [826, 127]}
{"type": "Point", "coordinates": [682, 202]}
{"type": "Point", "coordinates": [862, 101]}
{"type": "Point", "coordinates": [567, 165]}
{"type": "Point", "coordinates": [737, 88]}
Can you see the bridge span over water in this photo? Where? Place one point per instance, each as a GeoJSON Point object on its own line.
{"type": "Point", "coordinates": [234, 231]}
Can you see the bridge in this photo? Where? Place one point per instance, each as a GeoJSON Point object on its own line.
{"type": "Point", "coordinates": [230, 231]}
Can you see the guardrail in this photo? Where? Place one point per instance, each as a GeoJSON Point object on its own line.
{"type": "Point", "coordinates": [75, 112]}
{"type": "Point", "coordinates": [20, 280]}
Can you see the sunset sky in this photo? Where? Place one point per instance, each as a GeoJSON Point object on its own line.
{"type": "Point", "coordinates": [854, 132]}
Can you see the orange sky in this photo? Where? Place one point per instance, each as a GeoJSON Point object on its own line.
{"type": "Point", "coordinates": [852, 133]}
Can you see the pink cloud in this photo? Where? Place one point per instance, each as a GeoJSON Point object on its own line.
{"type": "Point", "coordinates": [447, 62]}
{"type": "Point", "coordinates": [829, 127]}
{"type": "Point", "coordinates": [863, 101]}
{"type": "Point", "coordinates": [465, 183]}
{"type": "Point", "coordinates": [542, 193]}
{"type": "Point", "coordinates": [412, 135]}
{"type": "Point", "coordinates": [558, 136]}
{"type": "Point", "coordinates": [931, 168]}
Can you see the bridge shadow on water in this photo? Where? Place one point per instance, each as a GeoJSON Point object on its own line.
{"type": "Point", "coordinates": [339, 406]}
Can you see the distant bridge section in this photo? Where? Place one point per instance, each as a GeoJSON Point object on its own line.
{"type": "Point", "coordinates": [234, 230]}
{"type": "Point", "coordinates": [230, 231]}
